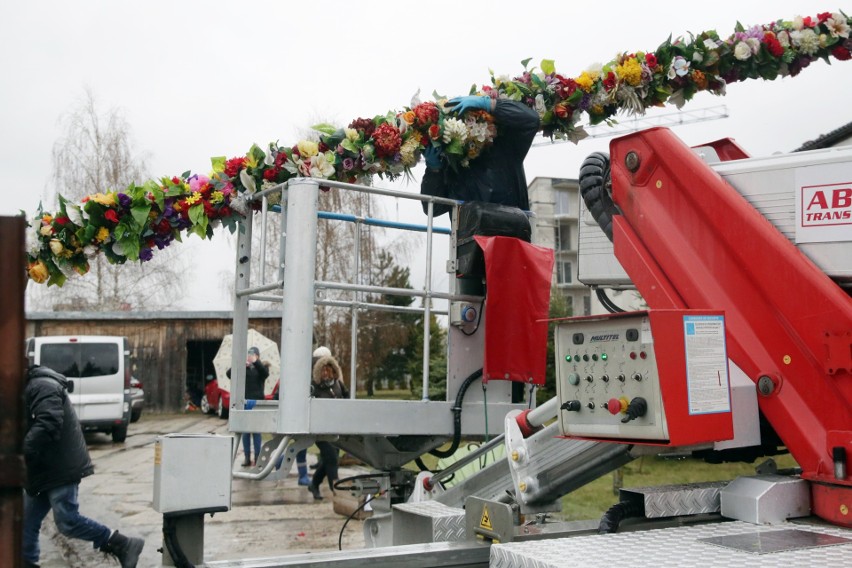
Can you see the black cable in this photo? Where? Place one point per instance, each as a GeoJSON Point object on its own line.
{"type": "Point", "coordinates": [606, 302]}
{"type": "Point", "coordinates": [457, 416]}
{"type": "Point", "coordinates": [352, 516]}
{"type": "Point", "coordinates": [172, 544]}
{"type": "Point", "coordinates": [420, 464]}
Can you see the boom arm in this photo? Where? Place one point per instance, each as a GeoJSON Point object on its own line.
{"type": "Point", "coordinates": [689, 240]}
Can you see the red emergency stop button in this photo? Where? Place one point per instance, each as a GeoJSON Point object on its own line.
{"type": "Point", "coordinates": [613, 405]}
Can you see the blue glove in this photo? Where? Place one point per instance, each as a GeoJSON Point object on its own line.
{"type": "Point", "coordinates": [460, 105]}
{"type": "Point", "coordinates": [432, 155]}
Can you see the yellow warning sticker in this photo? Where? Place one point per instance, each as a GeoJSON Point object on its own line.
{"type": "Point", "coordinates": [158, 454]}
{"type": "Point", "coordinates": [485, 521]}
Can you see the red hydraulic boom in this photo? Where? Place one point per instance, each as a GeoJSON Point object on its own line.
{"type": "Point", "coordinates": [689, 240]}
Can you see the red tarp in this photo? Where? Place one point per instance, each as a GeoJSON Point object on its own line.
{"type": "Point", "coordinates": [517, 277]}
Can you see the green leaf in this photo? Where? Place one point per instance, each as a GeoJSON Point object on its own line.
{"type": "Point", "coordinates": [473, 89]}
{"type": "Point", "coordinates": [525, 62]}
{"type": "Point", "coordinates": [140, 212]}
{"type": "Point", "coordinates": [185, 175]}
{"type": "Point", "coordinates": [256, 153]}
{"type": "Point", "coordinates": [199, 220]}
{"type": "Point", "coordinates": [548, 66]}
{"type": "Point", "coordinates": [218, 163]}
{"type": "Point", "coordinates": [454, 147]}
{"type": "Point", "coordinates": [349, 146]}
{"type": "Point", "coordinates": [324, 127]}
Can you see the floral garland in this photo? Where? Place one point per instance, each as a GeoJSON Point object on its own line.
{"type": "Point", "coordinates": [131, 224]}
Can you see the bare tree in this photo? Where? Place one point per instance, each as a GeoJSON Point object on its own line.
{"type": "Point", "coordinates": [95, 156]}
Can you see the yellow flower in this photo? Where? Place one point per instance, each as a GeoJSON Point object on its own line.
{"type": "Point", "coordinates": [308, 149]}
{"type": "Point", "coordinates": [351, 134]}
{"type": "Point", "coordinates": [106, 199]}
{"type": "Point", "coordinates": [46, 218]}
{"type": "Point", "coordinates": [408, 117]}
{"type": "Point", "coordinates": [217, 197]}
{"type": "Point", "coordinates": [103, 234]}
{"type": "Point", "coordinates": [630, 71]}
{"type": "Point", "coordinates": [46, 230]}
{"type": "Point", "coordinates": [585, 81]}
{"type": "Point", "coordinates": [37, 271]}
{"type": "Point", "coordinates": [193, 199]}
{"type": "Point", "coordinates": [56, 246]}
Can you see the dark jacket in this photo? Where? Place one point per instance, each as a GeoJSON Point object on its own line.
{"type": "Point", "coordinates": [54, 447]}
{"type": "Point", "coordinates": [330, 389]}
{"type": "Point", "coordinates": [496, 176]}
{"type": "Point", "coordinates": [256, 374]}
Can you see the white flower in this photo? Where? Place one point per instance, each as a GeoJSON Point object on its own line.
{"type": "Point", "coordinates": [56, 246]}
{"type": "Point", "coordinates": [783, 38]}
{"type": "Point", "coordinates": [478, 131]}
{"type": "Point", "coordinates": [806, 40]}
{"type": "Point", "coordinates": [247, 181]}
{"type": "Point", "coordinates": [351, 134]}
{"type": "Point", "coordinates": [320, 166]}
{"type": "Point", "coordinates": [679, 67]}
{"type": "Point", "coordinates": [677, 98]}
{"type": "Point", "coordinates": [500, 79]}
{"type": "Point", "coordinates": [798, 23]}
{"type": "Point", "coordinates": [33, 242]}
{"type": "Point", "coordinates": [742, 51]}
{"type": "Point", "coordinates": [117, 248]}
{"type": "Point", "coordinates": [454, 129]}
{"type": "Point", "coordinates": [710, 43]}
{"type": "Point", "coordinates": [90, 250]}
{"type": "Point", "coordinates": [837, 25]}
{"type": "Point", "coordinates": [630, 101]}
{"type": "Point", "coordinates": [539, 105]}
{"type": "Point", "coordinates": [754, 44]}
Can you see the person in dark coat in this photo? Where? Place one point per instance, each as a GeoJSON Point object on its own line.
{"type": "Point", "coordinates": [326, 383]}
{"type": "Point", "coordinates": [57, 459]}
{"type": "Point", "coordinates": [256, 374]}
{"type": "Point", "coordinates": [497, 175]}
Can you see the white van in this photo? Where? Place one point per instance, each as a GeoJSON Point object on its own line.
{"type": "Point", "coordinates": [99, 368]}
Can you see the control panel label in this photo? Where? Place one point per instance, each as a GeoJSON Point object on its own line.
{"type": "Point", "coordinates": [706, 364]}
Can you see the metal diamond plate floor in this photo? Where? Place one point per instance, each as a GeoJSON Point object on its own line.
{"type": "Point", "coordinates": [682, 547]}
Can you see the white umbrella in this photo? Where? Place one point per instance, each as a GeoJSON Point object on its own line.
{"type": "Point", "coordinates": [270, 355]}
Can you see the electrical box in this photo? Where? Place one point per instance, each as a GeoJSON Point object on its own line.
{"type": "Point", "coordinates": [658, 377]}
{"type": "Point", "coordinates": [192, 473]}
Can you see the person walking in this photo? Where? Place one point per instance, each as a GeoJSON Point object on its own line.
{"type": "Point", "coordinates": [326, 383]}
{"type": "Point", "coordinates": [57, 459]}
{"type": "Point", "coordinates": [256, 373]}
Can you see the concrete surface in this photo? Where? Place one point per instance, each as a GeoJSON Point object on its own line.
{"type": "Point", "coordinates": [267, 518]}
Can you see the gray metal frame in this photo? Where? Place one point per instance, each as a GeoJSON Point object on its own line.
{"type": "Point", "coordinates": [361, 424]}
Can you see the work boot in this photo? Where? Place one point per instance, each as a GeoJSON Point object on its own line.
{"type": "Point", "coordinates": [125, 549]}
{"type": "Point", "coordinates": [315, 492]}
{"type": "Point", "coordinates": [28, 564]}
{"type": "Point", "coordinates": [303, 475]}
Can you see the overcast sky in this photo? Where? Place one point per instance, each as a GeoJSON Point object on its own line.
{"type": "Point", "coordinates": [197, 79]}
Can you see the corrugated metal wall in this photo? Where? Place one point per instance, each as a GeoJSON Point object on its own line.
{"type": "Point", "coordinates": [158, 343]}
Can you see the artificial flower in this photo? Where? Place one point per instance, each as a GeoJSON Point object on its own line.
{"type": "Point", "coordinates": [38, 272]}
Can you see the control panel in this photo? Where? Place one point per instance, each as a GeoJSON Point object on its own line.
{"type": "Point", "coordinates": [627, 376]}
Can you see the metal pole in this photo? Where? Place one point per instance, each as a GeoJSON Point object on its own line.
{"type": "Point", "coordinates": [353, 356]}
{"type": "Point", "coordinates": [427, 302]}
{"type": "Point", "coordinates": [264, 209]}
{"type": "Point", "coordinates": [297, 320]}
{"type": "Point", "coordinates": [12, 378]}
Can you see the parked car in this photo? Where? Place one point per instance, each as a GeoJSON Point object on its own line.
{"type": "Point", "coordinates": [99, 368]}
{"type": "Point", "coordinates": [137, 399]}
{"type": "Point", "coordinates": [215, 400]}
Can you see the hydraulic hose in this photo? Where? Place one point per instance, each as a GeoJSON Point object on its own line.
{"type": "Point", "coordinates": [457, 409]}
{"type": "Point", "coordinates": [617, 513]}
{"type": "Point", "coordinates": [595, 187]}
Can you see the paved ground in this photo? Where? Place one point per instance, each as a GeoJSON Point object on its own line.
{"type": "Point", "coordinates": [268, 518]}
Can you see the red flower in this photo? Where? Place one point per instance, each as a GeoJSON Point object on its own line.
{"type": "Point", "coordinates": [426, 113]}
{"type": "Point", "coordinates": [233, 166]}
{"type": "Point", "coordinates": [566, 87]}
{"type": "Point", "coordinates": [111, 215]}
{"type": "Point", "coordinates": [841, 53]}
{"type": "Point", "coordinates": [773, 45]}
{"type": "Point", "coordinates": [609, 81]}
{"type": "Point", "coordinates": [650, 60]}
{"type": "Point", "coordinates": [61, 220]}
{"type": "Point", "coordinates": [176, 180]}
{"type": "Point", "coordinates": [822, 17]}
{"type": "Point", "coordinates": [322, 147]}
{"type": "Point", "coordinates": [270, 174]}
{"type": "Point", "coordinates": [163, 228]}
{"type": "Point", "coordinates": [387, 140]}
{"type": "Point", "coordinates": [209, 210]}
{"type": "Point", "coordinates": [434, 132]}
{"type": "Point", "coordinates": [808, 22]}
{"type": "Point", "coordinates": [365, 125]}
{"type": "Point", "coordinates": [224, 211]}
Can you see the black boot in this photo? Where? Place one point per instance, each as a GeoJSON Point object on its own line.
{"type": "Point", "coordinates": [125, 549]}
{"type": "Point", "coordinates": [315, 492]}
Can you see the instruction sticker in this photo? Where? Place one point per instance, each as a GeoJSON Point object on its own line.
{"type": "Point", "coordinates": [706, 364]}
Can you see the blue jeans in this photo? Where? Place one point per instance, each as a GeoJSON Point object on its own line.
{"type": "Point", "coordinates": [66, 514]}
{"type": "Point", "coordinates": [246, 445]}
